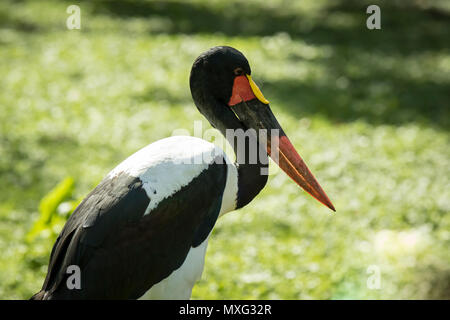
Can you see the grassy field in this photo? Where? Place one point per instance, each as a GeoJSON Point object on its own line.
{"type": "Point", "coordinates": [367, 110]}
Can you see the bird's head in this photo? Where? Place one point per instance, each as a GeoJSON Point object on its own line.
{"type": "Point", "coordinates": [225, 93]}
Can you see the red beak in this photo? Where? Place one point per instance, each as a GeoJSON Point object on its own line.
{"type": "Point", "coordinates": [294, 166]}
{"type": "Point", "coordinates": [253, 110]}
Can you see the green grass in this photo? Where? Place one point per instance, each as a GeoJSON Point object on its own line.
{"type": "Point", "coordinates": [368, 111]}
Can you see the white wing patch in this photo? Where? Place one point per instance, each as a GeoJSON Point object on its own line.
{"type": "Point", "coordinates": [167, 165]}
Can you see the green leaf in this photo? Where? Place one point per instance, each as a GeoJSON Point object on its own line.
{"type": "Point", "coordinates": [48, 213]}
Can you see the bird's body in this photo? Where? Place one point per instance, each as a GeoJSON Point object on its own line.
{"type": "Point", "coordinates": [157, 208]}
{"type": "Point", "coordinates": [143, 231]}
{"type": "Point", "coordinates": [165, 167]}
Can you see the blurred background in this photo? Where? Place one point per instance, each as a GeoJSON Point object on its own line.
{"type": "Point", "coordinates": [367, 109]}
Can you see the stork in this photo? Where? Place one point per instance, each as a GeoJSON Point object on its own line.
{"type": "Point", "coordinates": [143, 231]}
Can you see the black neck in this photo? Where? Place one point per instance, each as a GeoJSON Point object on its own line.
{"type": "Point", "coordinates": [252, 177]}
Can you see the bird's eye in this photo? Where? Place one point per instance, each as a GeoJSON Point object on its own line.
{"type": "Point", "coordinates": [238, 71]}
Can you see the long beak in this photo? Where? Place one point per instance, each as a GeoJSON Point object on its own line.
{"type": "Point", "coordinates": [294, 166]}
{"type": "Point", "coordinates": [256, 114]}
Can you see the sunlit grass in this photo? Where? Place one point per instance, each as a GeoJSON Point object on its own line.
{"type": "Point", "coordinates": [371, 124]}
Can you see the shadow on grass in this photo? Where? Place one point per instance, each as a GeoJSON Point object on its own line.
{"type": "Point", "coordinates": [375, 101]}
{"type": "Point", "coordinates": [380, 97]}
{"type": "Point", "coordinates": [407, 29]}
{"type": "Point", "coordinates": [9, 21]}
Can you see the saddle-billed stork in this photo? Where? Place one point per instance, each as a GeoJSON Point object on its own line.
{"type": "Point", "coordinates": [143, 231]}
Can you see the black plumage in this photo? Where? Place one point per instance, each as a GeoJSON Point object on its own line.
{"type": "Point", "coordinates": [121, 252]}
